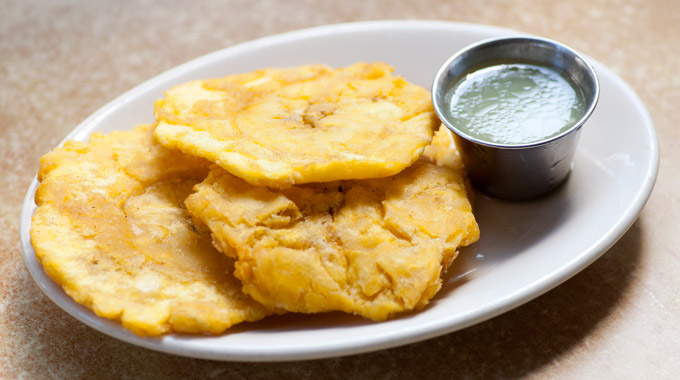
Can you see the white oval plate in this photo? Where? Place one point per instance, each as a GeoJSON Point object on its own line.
{"type": "Point", "coordinates": [525, 250]}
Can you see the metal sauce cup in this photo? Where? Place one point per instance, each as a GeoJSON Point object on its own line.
{"type": "Point", "coordinates": [517, 171]}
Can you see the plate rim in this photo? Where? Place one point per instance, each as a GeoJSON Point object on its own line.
{"type": "Point", "coordinates": [414, 334]}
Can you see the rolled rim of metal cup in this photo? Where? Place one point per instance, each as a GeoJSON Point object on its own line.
{"type": "Point", "coordinates": [517, 171]}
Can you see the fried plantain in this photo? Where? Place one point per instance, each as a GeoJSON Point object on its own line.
{"type": "Point", "coordinates": [372, 247]}
{"type": "Point", "coordinates": [279, 127]}
{"type": "Point", "coordinates": [111, 228]}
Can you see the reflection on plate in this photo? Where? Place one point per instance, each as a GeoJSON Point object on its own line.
{"type": "Point", "coordinates": [526, 248]}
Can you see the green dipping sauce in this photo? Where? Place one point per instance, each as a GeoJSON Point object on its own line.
{"type": "Point", "coordinates": [514, 103]}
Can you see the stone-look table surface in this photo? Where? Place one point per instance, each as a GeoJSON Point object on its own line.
{"type": "Point", "coordinates": [62, 60]}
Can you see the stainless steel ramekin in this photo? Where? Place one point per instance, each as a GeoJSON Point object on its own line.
{"type": "Point", "coordinates": [517, 171]}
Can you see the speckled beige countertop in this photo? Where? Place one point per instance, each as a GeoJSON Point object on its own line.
{"type": "Point", "coordinates": [62, 60]}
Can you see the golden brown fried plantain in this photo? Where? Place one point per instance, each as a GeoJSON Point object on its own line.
{"type": "Point", "coordinates": [112, 230]}
{"type": "Point", "coordinates": [279, 127]}
{"type": "Point", "coordinates": [443, 150]}
{"type": "Point", "coordinates": [371, 247]}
